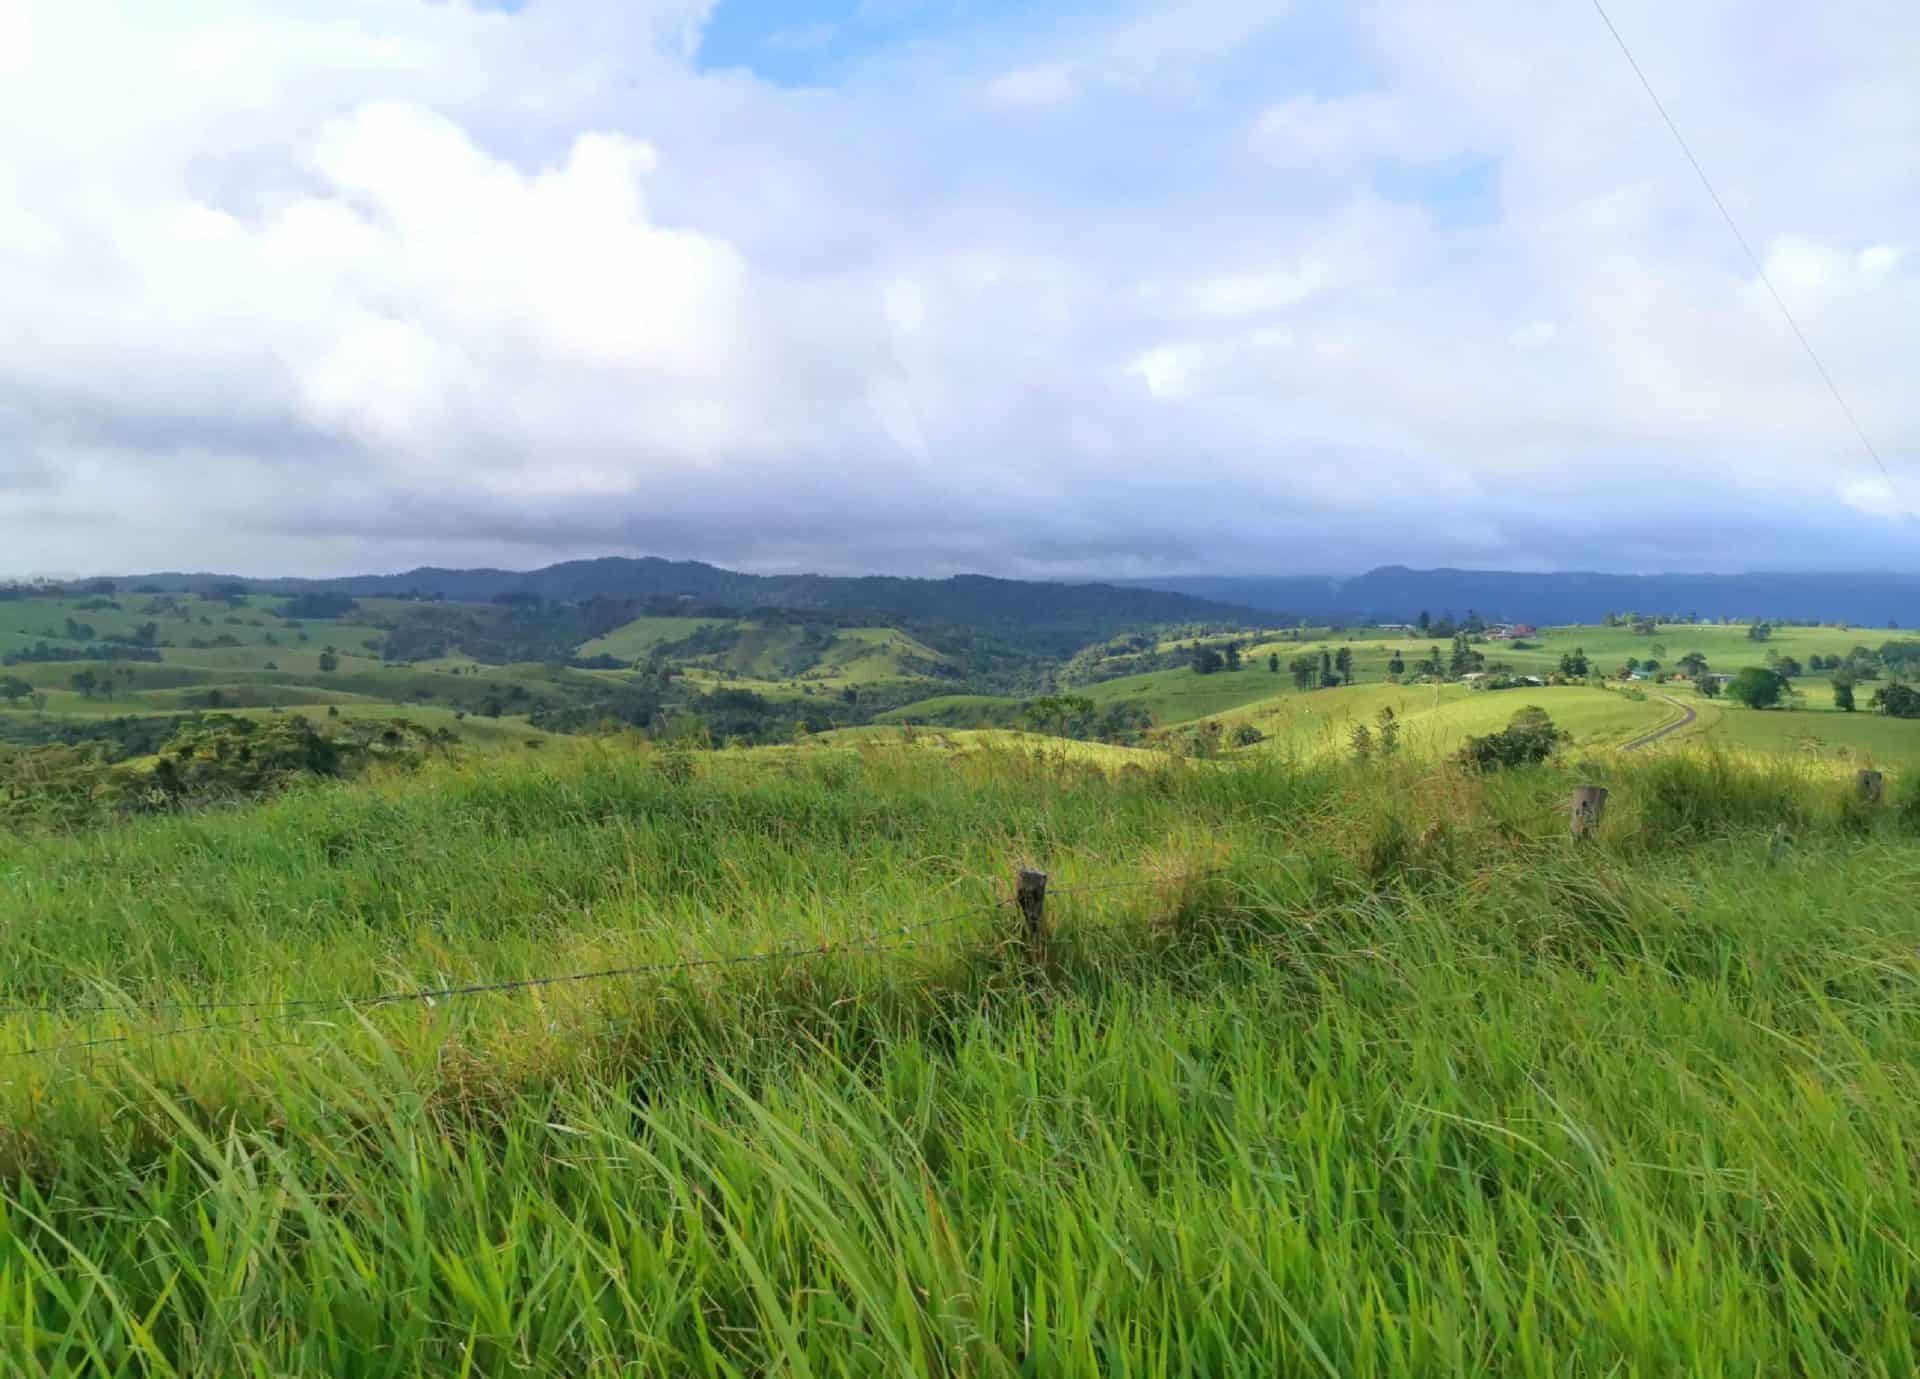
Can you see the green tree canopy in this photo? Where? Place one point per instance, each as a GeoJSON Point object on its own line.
{"type": "Point", "coordinates": [1757, 688]}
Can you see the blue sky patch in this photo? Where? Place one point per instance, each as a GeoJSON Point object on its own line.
{"type": "Point", "coordinates": [810, 42]}
{"type": "Point", "coordinates": [1459, 191]}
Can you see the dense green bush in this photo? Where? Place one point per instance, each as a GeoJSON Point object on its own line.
{"type": "Point", "coordinates": [207, 758]}
{"type": "Point", "coordinates": [1528, 739]}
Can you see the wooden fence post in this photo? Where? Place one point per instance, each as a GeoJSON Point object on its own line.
{"type": "Point", "coordinates": [1870, 784]}
{"type": "Point", "coordinates": [1589, 803]}
{"type": "Point", "coordinates": [1780, 845]}
{"type": "Point", "coordinates": [1030, 891]}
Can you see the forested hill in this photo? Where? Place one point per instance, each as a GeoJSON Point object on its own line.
{"type": "Point", "coordinates": [973, 599]}
{"type": "Point", "coordinates": [1396, 594]}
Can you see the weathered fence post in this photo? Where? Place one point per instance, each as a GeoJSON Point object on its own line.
{"type": "Point", "coordinates": [1870, 784]}
{"type": "Point", "coordinates": [1030, 891]}
{"type": "Point", "coordinates": [1781, 844]}
{"type": "Point", "coordinates": [1589, 803]}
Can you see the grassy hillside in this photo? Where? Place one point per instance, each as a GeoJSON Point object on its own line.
{"type": "Point", "coordinates": [1177, 694]}
{"type": "Point", "coordinates": [632, 641]}
{"type": "Point", "coordinates": [1436, 719]}
{"type": "Point", "coordinates": [1814, 729]}
{"type": "Point", "coordinates": [956, 711]}
{"type": "Point", "coordinates": [153, 656]}
{"type": "Point", "coordinates": [1344, 1072]}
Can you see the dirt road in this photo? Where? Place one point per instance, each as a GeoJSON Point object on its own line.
{"type": "Point", "coordinates": [1648, 739]}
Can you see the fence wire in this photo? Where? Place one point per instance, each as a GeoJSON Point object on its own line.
{"type": "Point", "coordinates": [895, 939]}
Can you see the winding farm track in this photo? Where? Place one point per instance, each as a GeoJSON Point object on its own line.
{"type": "Point", "coordinates": [1648, 739]}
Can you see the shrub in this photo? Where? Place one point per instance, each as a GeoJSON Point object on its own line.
{"type": "Point", "coordinates": [214, 757]}
{"type": "Point", "coordinates": [1906, 806]}
{"type": "Point", "coordinates": [1528, 739]}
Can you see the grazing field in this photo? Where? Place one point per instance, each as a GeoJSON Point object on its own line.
{"type": "Point", "coordinates": [90, 663]}
{"type": "Point", "coordinates": [1436, 719]}
{"type": "Point", "coordinates": [1180, 696]}
{"type": "Point", "coordinates": [1817, 730]}
{"type": "Point", "coordinates": [634, 640]}
{"type": "Point", "coordinates": [1332, 1071]}
{"type": "Point", "coordinates": [955, 710]}
{"type": "Point", "coordinates": [1726, 647]}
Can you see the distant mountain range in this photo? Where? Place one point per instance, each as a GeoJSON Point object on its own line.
{"type": "Point", "coordinates": [1397, 594]}
{"type": "Point", "coordinates": [975, 599]}
{"type": "Point", "coordinates": [1391, 594]}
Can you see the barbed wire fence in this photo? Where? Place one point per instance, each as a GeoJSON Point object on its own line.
{"type": "Point", "coordinates": [1029, 899]}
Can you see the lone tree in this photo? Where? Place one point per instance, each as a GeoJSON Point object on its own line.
{"type": "Point", "coordinates": [1897, 701]}
{"type": "Point", "coordinates": [1273, 662]}
{"type": "Point", "coordinates": [1059, 714]}
{"type": "Point", "coordinates": [1326, 671]}
{"type": "Point", "coordinates": [1843, 694]}
{"type": "Point", "coordinates": [1304, 669]}
{"type": "Point", "coordinates": [1343, 662]}
{"type": "Point", "coordinates": [1463, 658]}
{"type": "Point", "coordinates": [1757, 688]}
{"type": "Point", "coordinates": [1398, 665]}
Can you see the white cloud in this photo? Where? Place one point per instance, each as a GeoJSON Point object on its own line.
{"type": "Point", "coordinates": [1874, 496]}
{"type": "Point", "coordinates": [1181, 370]}
{"type": "Point", "coordinates": [16, 37]}
{"type": "Point", "coordinates": [1801, 265]}
{"type": "Point", "coordinates": [1879, 258]}
{"type": "Point", "coordinates": [1032, 86]}
{"type": "Point", "coordinates": [1306, 129]}
{"type": "Point", "coordinates": [379, 281]}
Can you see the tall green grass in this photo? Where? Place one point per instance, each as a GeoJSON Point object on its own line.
{"type": "Point", "coordinates": [1375, 1073]}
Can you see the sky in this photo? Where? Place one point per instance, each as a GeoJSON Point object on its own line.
{"type": "Point", "coordinates": [922, 286]}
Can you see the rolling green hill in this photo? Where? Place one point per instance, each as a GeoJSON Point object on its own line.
{"type": "Point", "coordinates": [1435, 720]}
{"type": "Point", "coordinates": [632, 641]}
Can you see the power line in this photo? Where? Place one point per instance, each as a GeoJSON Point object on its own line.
{"type": "Point", "coordinates": [1753, 258]}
